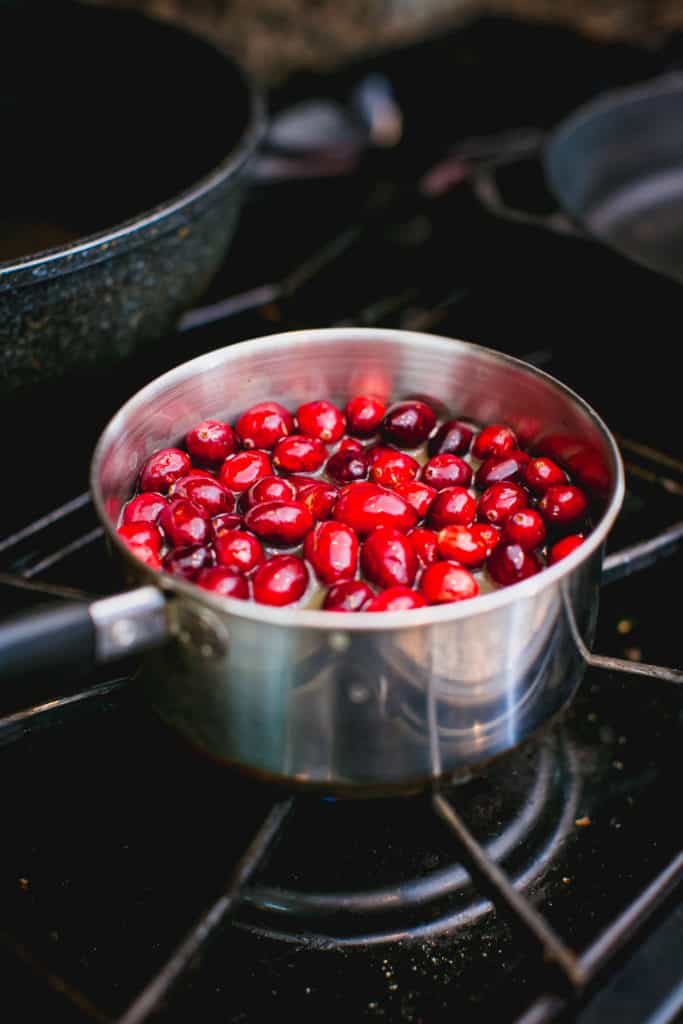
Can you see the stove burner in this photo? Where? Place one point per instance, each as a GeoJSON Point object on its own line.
{"type": "Point", "coordinates": [524, 808]}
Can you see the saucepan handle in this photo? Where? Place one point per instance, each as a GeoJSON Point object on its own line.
{"type": "Point", "coordinates": [81, 635]}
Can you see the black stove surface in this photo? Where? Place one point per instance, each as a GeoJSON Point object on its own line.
{"type": "Point", "coordinates": [117, 839]}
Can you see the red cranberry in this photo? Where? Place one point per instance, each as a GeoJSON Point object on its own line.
{"type": "Point", "coordinates": [344, 467]}
{"type": "Point", "coordinates": [444, 582]}
{"type": "Point", "coordinates": [185, 524]}
{"type": "Point", "coordinates": [332, 550]}
{"type": "Point", "coordinates": [419, 496]}
{"type": "Point", "coordinates": [588, 467]}
{"type": "Point", "coordinates": [263, 425]}
{"type": "Point", "coordinates": [349, 596]}
{"type": "Point", "coordinates": [563, 505]}
{"type": "Point", "coordinates": [509, 563]}
{"type": "Point", "coordinates": [408, 424]}
{"type": "Point", "coordinates": [496, 439]}
{"type": "Point", "coordinates": [424, 545]}
{"type": "Point", "coordinates": [220, 579]}
{"type": "Point", "coordinates": [281, 580]}
{"type": "Point", "coordinates": [203, 490]}
{"type": "Point", "coordinates": [322, 420]}
{"type": "Point", "coordinates": [241, 470]}
{"type": "Point", "coordinates": [299, 454]}
{"type": "Point", "coordinates": [239, 550]}
{"type": "Point", "coordinates": [282, 523]}
{"type": "Point", "coordinates": [525, 528]}
{"type": "Point", "coordinates": [396, 599]}
{"type": "Point", "coordinates": [390, 468]}
{"type": "Point", "coordinates": [446, 471]}
{"type": "Point", "coordinates": [227, 521]}
{"type": "Point", "coordinates": [452, 505]}
{"type": "Point", "coordinates": [500, 501]}
{"type": "Point", "coordinates": [561, 447]}
{"type": "Point", "coordinates": [499, 468]}
{"type": "Point", "coordinates": [487, 533]}
{"type": "Point", "coordinates": [319, 498]}
{"type": "Point", "coordinates": [146, 555]}
{"type": "Point", "coordinates": [565, 547]}
{"type": "Point", "coordinates": [375, 451]}
{"type": "Point", "coordinates": [364, 415]}
{"type": "Point", "coordinates": [269, 488]}
{"type": "Point", "coordinates": [141, 535]}
{"type": "Point", "coordinates": [186, 562]}
{"type": "Point", "coordinates": [365, 506]}
{"type": "Point", "coordinates": [388, 558]}
{"type": "Point", "coordinates": [210, 442]}
{"type": "Point", "coordinates": [144, 508]}
{"type": "Point", "coordinates": [453, 437]}
{"type": "Point", "coordinates": [542, 473]}
{"type": "Point", "coordinates": [298, 482]}
{"type": "Point", "coordinates": [461, 544]}
{"type": "Point", "coordinates": [162, 468]}
{"type": "Point", "coordinates": [349, 444]}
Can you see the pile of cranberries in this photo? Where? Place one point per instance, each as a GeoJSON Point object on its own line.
{"type": "Point", "coordinates": [328, 509]}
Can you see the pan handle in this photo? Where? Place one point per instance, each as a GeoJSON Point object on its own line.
{"type": "Point", "coordinates": [81, 635]}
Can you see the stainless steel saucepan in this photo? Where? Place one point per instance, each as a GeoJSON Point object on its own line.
{"type": "Point", "coordinates": [348, 701]}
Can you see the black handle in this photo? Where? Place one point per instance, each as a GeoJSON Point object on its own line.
{"type": "Point", "coordinates": [62, 637]}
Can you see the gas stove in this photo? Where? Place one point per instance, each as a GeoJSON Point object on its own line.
{"type": "Point", "coordinates": [140, 882]}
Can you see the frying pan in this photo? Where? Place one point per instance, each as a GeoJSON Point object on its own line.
{"type": "Point", "coordinates": [353, 703]}
{"type": "Point", "coordinates": [615, 167]}
{"type": "Point", "coordinates": [125, 143]}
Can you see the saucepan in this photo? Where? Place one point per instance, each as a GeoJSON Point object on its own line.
{"type": "Point", "coordinates": [349, 702]}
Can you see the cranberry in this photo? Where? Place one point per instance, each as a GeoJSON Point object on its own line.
{"type": "Point", "coordinates": [388, 558]}
{"type": "Point", "coordinates": [365, 506]}
{"type": "Point", "coordinates": [419, 496]}
{"type": "Point", "coordinates": [144, 508]}
{"type": "Point", "coordinates": [322, 420]}
{"type": "Point", "coordinates": [227, 521]}
{"type": "Point", "coordinates": [210, 442]}
{"type": "Point", "coordinates": [319, 498]}
{"type": "Point", "coordinates": [203, 490]}
{"type": "Point", "coordinates": [396, 599]}
{"type": "Point", "coordinates": [525, 528]}
{"type": "Point", "coordinates": [281, 580]}
{"type": "Point", "coordinates": [375, 451]}
{"type": "Point", "coordinates": [263, 425]}
{"type": "Point", "coordinates": [424, 545]}
{"type": "Point", "coordinates": [162, 468]}
{"type": "Point", "coordinates": [499, 468]}
{"type": "Point", "coordinates": [452, 505]}
{"type": "Point", "coordinates": [241, 470]}
{"type": "Point", "coordinates": [283, 523]}
{"type": "Point", "coordinates": [500, 501]}
{"type": "Point", "coordinates": [346, 466]}
{"type": "Point", "coordinates": [186, 562]}
{"type": "Point", "coordinates": [563, 505]}
{"type": "Point", "coordinates": [349, 444]}
{"type": "Point", "coordinates": [462, 544]}
{"type": "Point", "coordinates": [408, 423]}
{"type": "Point", "coordinates": [298, 482]}
{"type": "Point", "coordinates": [299, 454]}
{"type": "Point", "coordinates": [364, 415]}
{"type": "Point", "coordinates": [238, 549]}
{"type": "Point", "coordinates": [141, 535]}
{"type": "Point", "coordinates": [332, 550]}
{"type": "Point", "coordinates": [489, 534]}
{"type": "Point", "coordinates": [146, 555]}
{"type": "Point", "coordinates": [565, 547]}
{"type": "Point", "coordinates": [349, 596]}
{"type": "Point", "coordinates": [496, 439]}
{"type": "Point", "coordinates": [444, 582]}
{"type": "Point", "coordinates": [185, 524]}
{"type": "Point", "coordinates": [509, 563]}
{"type": "Point", "coordinates": [269, 488]}
{"type": "Point", "coordinates": [446, 471]}
{"type": "Point", "coordinates": [390, 468]}
{"type": "Point", "coordinates": [590, 470]}
{"type": "Point", "coordinates": [542, 473]}
{"type": "Point", "coordinates": [220, 579]}
{"type": "Point", "coordinates": [453, 437]}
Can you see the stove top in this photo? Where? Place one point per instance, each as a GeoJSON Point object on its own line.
{"type": "Point", "coordinates": [139, 881]}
